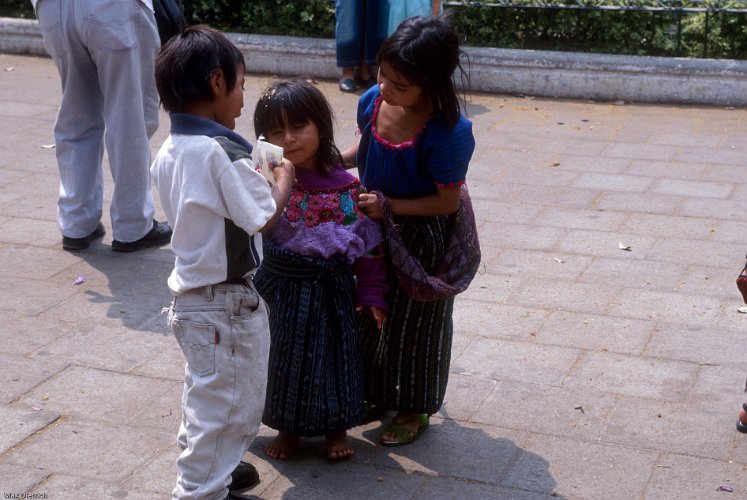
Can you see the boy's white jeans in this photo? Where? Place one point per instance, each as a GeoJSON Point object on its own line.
{"type": "Point", "coordinates": [224, 333]}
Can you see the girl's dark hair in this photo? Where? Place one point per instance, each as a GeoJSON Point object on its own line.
{"type": "Point", "coordinates": [186, 63]}
{"type": "Point", "coordinates": [297, 102]}
{"type": "Point", "coordinates": [425, 51]}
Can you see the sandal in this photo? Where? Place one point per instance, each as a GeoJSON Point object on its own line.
{"type": "Point", "coordinates": [403, 435]}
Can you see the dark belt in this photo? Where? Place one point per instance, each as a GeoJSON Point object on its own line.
{"type": "Point", "coordinates": [233, 281]}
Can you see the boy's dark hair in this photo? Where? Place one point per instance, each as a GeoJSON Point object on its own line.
{"type": "Point", "coordinates": [299, 101]}
{"type": "Point", "coordinates": [186, 63]}
{"type": "Point", "coordinates": [425, 51]}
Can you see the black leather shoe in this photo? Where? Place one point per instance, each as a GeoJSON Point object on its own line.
{"type": "Point", "coordinates": [159, 235]}
{"type": "Point", "coordinates": [77, 244]}
{"type": "Point", "coordinates": [243, 477]}
{"type": "Point", "coordinates": [348, 85]}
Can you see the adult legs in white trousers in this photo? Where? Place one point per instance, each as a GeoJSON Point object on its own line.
{"type": "Point", "coordinates": [105, 52]}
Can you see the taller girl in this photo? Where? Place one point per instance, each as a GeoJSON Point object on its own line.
{"type": "Point", "coordinates": [415, 148]}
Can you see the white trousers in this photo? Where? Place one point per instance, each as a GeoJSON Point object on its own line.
{"type": "Point", "coordinates": [105, 53]}
{"type": "Point", "coordinates": [224, 333]}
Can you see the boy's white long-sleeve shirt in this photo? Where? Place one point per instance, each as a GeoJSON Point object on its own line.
{"type": "Point", "coordinates": [216, 203]}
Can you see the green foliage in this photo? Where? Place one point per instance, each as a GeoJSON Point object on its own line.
{"type": "Point", "coordinates": [17, 8]}
{"type": "Point", "coordinates": [630, 32]}
{"type": "Point", "coordinates": [310, 18]}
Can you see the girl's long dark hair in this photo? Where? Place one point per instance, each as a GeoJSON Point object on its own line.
{"type": "Point", "coordinates": [299, 101]}
{"type": "Point", "coordinates": [425, 51]}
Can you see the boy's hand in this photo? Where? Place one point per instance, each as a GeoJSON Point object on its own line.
{"type": "Point", "coordinates": [369, 205]}
{"type": "Point", "coordinates": [377, 313]}
{"type": "Point", "coordinates": [283, 170]}
{"type": "Point", "coordinates": [285, 176]}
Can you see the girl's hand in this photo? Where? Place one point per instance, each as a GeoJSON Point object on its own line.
{"type": "Point", "coordinates": [377, 313]}
{"type": "Point", "coordinates": [369, 205]}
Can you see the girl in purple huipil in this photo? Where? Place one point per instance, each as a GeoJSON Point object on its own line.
{"type": "Point", "coordinates": [323, 263]}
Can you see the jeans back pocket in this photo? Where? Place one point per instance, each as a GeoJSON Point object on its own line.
{"type": "Point", "coordinates": [50, 21]}
{"type": "Point", "coordinates": [197, 341]}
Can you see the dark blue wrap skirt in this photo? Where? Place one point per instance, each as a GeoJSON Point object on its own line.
{"type": "Point", "coordinates": [315, 377]}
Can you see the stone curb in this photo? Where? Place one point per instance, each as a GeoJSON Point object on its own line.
{"type": "Point", "coordinates": [503, 71]}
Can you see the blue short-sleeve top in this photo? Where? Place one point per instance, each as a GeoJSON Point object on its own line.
{"type": "Point", "coordinates": [436, 156]}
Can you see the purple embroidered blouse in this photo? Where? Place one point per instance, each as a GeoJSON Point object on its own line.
{"type": "Point", "coordinates": [322, 219]}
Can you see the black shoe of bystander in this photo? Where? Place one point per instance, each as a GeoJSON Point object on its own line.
{"type": "Point", "coordinates": [348, 85]}
{"type": "Point", "coordinates": [77, 244]}
{"type": "Point", "coordinates": [159, 235]}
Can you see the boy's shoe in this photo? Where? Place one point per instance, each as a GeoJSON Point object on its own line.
{"type": "Point", "coordinates": [243, 477]}
{"type": "Point", "coordinates": [77, 244]}
{"type": "Point", "coordinates": [159, 235]}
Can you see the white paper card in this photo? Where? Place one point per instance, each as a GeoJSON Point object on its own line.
{"type": "Point", "coordinates": [267, 155]}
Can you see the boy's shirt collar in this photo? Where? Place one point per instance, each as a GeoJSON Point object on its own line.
{"type": "Point", "coordinates": [184, 123]}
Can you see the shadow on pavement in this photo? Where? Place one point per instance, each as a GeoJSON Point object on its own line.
{"type": "Point", "coordinates": [137, 290]}
{"type": "Point", "coordinates": [450, 460]}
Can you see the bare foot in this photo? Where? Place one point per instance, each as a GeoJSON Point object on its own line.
{"type": "Point", "coordinates": [282, 446]}
{"type": "Point", "coordinates": [337, 446]}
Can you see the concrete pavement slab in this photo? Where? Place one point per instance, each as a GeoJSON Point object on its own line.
{"type": "Point", "coordinates": [592, 332]}
{"type": "Point", "coordinates": [683, 476]}
{"type": "Point", "coordinates": [551, 263]}
{"type": "Point", "coordinates": [704, 345]}
{"type": "Point", "coordinates": [634, 273]}
{"type": "Point", "coordinates": [21, 422]}
{"type": "Point", "coordinates": [21, 374]}
{"type": "Point", "coordinates": [646, 203]}
{"type": "Point", "coordinates": [566, 411]}
{"type": "Point", "coordinates": [589, 470]}
{"type": "Point", "coordinates": [465, 394]}
{"type": "Point", "coordinates": [86, 393]}
{"type": "Point", "coordinates": [579, 370]}
{"type": "Point", "coordinates": [84, 487]}
{"type": "Point", "coordinates": [90, 449]}
{"type": "Point", "coordinates": [17, 478]}
{"type": "Point", "coordinates": [514, 360]}
{"type": "Point", "coordinates": [649, 378]}
{"type": "Point", "coordinates": [676, 426]}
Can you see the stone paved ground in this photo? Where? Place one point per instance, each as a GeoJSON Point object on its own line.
{"type": "Point", "coordinates": [579, 370]}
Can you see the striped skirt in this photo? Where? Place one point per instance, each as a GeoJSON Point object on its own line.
{"type": "Point", "coordinates": [406, 365]}
{"type": "Point", "coordinates": [315, 375]}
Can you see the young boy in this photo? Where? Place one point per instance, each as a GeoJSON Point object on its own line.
{"type": "Point", "coordinates": [217, 204]}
